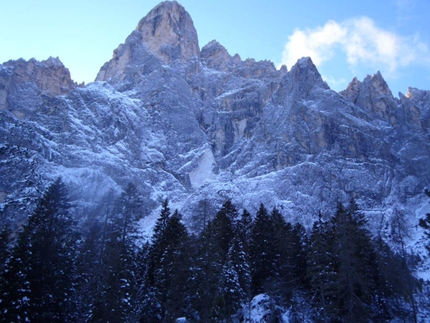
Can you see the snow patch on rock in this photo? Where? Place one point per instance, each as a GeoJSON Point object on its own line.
{"type": "Point", "coordinates": [204, 170]}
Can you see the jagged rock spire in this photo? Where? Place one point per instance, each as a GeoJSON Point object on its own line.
{"type": "Point", "coordinates": [216, 56]}
{"type": "Point", "coordinates": [372, 95]}
{"type": "Point", "coordinates": [169, 32]}
{"type": "Point", "coordinates": [165, 34]}
{"type": "Point", "coordinates": [305, 71]}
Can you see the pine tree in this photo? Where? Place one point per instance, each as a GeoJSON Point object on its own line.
{"type": "Point", "coordinates": [283, 236]}
{"type": "Point", "coordinates": [5, 258]}
{"type": "Point", "coordinates": [4, 247]}
{"type": "Point", "coordinates": [425, 224]}
{"type": "Point", "coordinates": [398, 282]}
{"type": "Point", "coordinates": [399, 234]}
{"type": "Point", "coordinates": [235, 281]}
{"type": "Point", "coordinates": [15, 297]}
{"type": "Point", "coordinates": [116, 288]}
{"type": "Point", "coordinates": [222, 227]}
{"type": "Point", "coordinates": [231, 295]}
{"type": "Point", "coordinates": [322, 268]}
{"type": "Point", "coordinates": [352, 288]}
{"type": "Point", "coordinates": [158, 243]}
{"type": "Point", "coordinates": [42, 269]}
{"type": "Point", "coordinates": [201, 215]}
{"type": "Point", "coordinates": [241, 263]}
{"type": "Point", "coordinates": [172, 275]}
{"type": "Point", "coordinates": [206, 270]}
{"type": "Point", "coordinates": [127, 211]}
{"type": "Point", "coordinates": [359, 283]}
{"type": "Point", "coordinates": [93, 263]}
{"type": "Point", "coordinates": [214, 244]}
{"type": "Point", "coordinates": [168, 271]}
{"type": "Point", "coordinates": [367, 265]}
{"type": "Point", "coordinates": [244, 229]}
{"type": "Point", "coordinates": [89, 267]}
{"type": "Point", "coordinates": [298, 256]}
{"type": "Point", "coordinates": [263, 254]}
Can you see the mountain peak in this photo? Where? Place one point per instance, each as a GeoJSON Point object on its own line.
{"type": "Point", "coordinates": [169, 33]}
{"type": "Point", "coordinates": [378, 84]}
{"type": "Point", "coordinates": [352, 91]}
{"type": "Point", "coordinates": [165, 34]}
{"type": "Point", "coordinates": [216, 56]}
{"type": "Point", "coordinates": [305, 72]}
{"type": "Point", "coordinates": [375, 84]}
{"type": "Point", "coordinates": [373, 95]}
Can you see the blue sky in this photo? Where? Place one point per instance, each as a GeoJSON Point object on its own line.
{"type": "Point", "coordinates": [344, 39]}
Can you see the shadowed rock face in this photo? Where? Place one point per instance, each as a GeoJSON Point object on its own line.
{"type": "Point", "coordinates": [373, 95]}
{"type": "Point", "coordinates": [21, 80]}
{"type": "Point", "coordinates": [196, 125]}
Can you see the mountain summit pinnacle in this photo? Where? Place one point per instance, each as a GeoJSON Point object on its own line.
{"type": "Point", "coordinates": [167, 32]}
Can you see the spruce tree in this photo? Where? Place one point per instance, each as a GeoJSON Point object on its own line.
{"type": "Point", "coordinates": [208, 263]}
{"type": "Point", "coordinates": [230, 295]}
{"type": "Point", "coordinates": [350, 289]}
{"type": "Point", "coordinates": [425, 224]}
{"type": "Point", "coordinates": [359, 280]}
{"type": "Point", "coordinates": [222, 227]}
{"type": "Point", "coordinates": [116, 289]}
{"type": "Point", "coordinates": [158, 243]}
{"type": "Point", "coordinates": [283, 236]}
{"type": "Point", "coordinates": [235, 281]}
{"type": "Point", "coordinates": [4, 247]}
{"type": "Point", "coordinates": [42, 272]}
{"type": "Point", "coordinates": [263, 253]}
{"type": "Point", "coordinates": [244, 228]}
{"type": "Point", "coordinates": [217, 260]}
{"type": "Point", "coordinates": [396, 279]}
{"type": "Point", "coordinates": [15, 291]}
{"type": "Point", "coordinates": [367, 265]}
{"type": "Point", "coordinates": [127, 211]}
{"type": "Point", "coordinates": [322, 268]}
{"type": "Point", "coordinates": [172, 273]}
{"type": "Point", "coordinates": [90, 271]}
{"type": "Point", "coordinates": [298, 256]}
{"type": "Point", "coordinates": [166, 282]}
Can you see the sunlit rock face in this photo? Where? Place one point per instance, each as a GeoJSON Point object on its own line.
{"type": "Point", "coordinates": [167, 34]}
{"type": "Point", "coordinates": [22, 81]}
{"type": "Point", "coordinates": [197, 125]}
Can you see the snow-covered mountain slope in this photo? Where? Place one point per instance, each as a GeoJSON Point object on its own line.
{"type": "Point", "coordinates": [193, 125]}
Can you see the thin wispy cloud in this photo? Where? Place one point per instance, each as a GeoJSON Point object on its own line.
{"type": "Point", "coordinates": [361, 41]}
{"type": "Point", "coordinates": [405, 10]}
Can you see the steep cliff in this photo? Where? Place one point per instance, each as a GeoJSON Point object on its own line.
{"type": "Point", "coordinates": [192, 125]}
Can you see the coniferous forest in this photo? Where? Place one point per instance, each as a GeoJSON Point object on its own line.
{"type": "Point", "coordinates": [56, 270]}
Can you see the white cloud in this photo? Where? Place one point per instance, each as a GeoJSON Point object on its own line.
{"type": "Point", "coordinates": [317, 43]}
{"type": "Point", "coordinates": [335, 83]}
{"type": "Point", "coordinates": [360, 40]}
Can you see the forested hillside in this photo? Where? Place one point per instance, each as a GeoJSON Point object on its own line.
{"type": "Point", "coordinates": [56, 271]}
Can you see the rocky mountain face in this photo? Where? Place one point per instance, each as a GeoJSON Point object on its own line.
{"type": "Point", "coordinates": [194, 125]}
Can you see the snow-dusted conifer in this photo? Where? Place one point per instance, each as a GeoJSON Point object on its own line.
{"type": "Point", "coordinates": [322, 263]}
{"type": "Point", "coordinates": [263, 254]}
{"type": "Point", "coordinates": [168, 269]}
{"type": "Point", "coordinates": [42, 267]}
